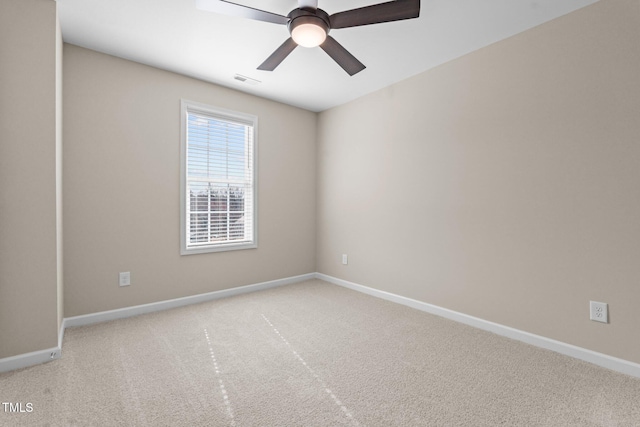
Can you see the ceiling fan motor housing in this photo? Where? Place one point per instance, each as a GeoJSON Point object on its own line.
{"type": "Point", "coordinates": [318, 17]}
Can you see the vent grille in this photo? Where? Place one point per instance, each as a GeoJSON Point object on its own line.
{"type": "Point", "coordinates": [245, 79]}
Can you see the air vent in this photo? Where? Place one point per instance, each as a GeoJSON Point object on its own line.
{"type": "Point", "coordinates": [245, 79]}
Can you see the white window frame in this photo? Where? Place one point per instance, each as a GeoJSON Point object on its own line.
{"type": "Point", "coordinates": [222, 114]}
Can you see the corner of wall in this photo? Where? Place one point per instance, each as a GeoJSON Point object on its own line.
{"type": "Point", "coordinates": [59, 162]}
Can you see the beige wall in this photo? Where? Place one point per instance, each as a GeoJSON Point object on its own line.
{"type": "Point", "coordinates": [28, 197]}
{"type": "Point", "coordinates": [504, 185]}
{"type": "Point", "coordinates": [121, 187]}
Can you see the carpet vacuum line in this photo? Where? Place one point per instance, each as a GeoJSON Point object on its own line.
{"type": "Point", "coordinates": [225, 397]}
{"type": "Point", "coordinates": [344, 409]}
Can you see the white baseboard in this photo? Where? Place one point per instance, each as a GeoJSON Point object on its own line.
{"type": "Point", "coordinates": [600, 359]}
{"type": "Point", "coordinates": [41, 356]}
{"type": "Point", "coordinates": [29, 359]}
{"type": "Point", "coordinates": [35, 357]}
{"type": "Point", "coordinates": [121, 313]}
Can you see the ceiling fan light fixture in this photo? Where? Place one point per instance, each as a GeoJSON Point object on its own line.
{"type": "Point", "coordinates": [308, 31]}
{"type": "Point", "coordinates": [308, 35]}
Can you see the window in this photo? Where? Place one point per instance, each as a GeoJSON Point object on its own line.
{"type": "Point", "coordinates": [218, 180]}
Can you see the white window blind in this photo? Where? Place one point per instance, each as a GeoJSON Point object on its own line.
{"type": "Point", "coordinates": [219, 191]}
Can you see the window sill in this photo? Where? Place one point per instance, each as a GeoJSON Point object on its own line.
{"type": "Point", "coordinates": [218, 248]}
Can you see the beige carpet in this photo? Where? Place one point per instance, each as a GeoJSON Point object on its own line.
{"type": "Point", "coordinates": [311, 354]}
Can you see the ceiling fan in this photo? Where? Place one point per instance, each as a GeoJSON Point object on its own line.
{"type": "Point", "coordinates": [310, 26]}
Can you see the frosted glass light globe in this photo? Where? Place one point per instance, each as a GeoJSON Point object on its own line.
{"type": "Point", "coordinates": [308, 35]}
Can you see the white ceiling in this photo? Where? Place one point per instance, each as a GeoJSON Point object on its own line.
{"type": "Point", "coordinates": [174, 35]}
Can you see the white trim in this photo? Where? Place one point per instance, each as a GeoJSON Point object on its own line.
{"type": "Point", "coordinates": [35, 357]}
{"type": "Point", "coordinates": [600, 359]}
{"type": "Point", "coordinates": [226, 115]}
{"type": "Point", "coordinates": [29, 359]}
{"type": "Point", "coordinates": [42, 356]}
{"type": "Point", "coordinates": [61, 333]}
{"type": "Point", "coordinates": [121, 313]}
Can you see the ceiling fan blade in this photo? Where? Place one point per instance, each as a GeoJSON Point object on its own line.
{"type": "Point", "coordinates": [384, 12]}
{"type": "Point", "coordinates": [232, 9]}
{"type": "Point", "coordinates": [278, 56]}
{"type": "Point", "coordinates": [309, 4]}
{"type": "Point", "coordinates": [342, 56]}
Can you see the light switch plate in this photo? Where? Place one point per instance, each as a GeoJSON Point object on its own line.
{"type": "Point", "coordinates": [125, 278]}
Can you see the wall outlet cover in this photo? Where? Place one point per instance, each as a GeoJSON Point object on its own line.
{"type": "Point", "coordinates": [599, 311]}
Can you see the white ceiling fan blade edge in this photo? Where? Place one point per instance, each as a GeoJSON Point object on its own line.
{"type": "Point", "coordinates": [233, 9]}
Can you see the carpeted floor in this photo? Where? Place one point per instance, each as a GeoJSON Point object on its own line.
{"type": "Point", "coordinates": [310, 354]}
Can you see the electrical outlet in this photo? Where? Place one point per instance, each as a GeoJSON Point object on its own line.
{"type": "Point", "coordinates": [599, 311]}
{"type": "Point", "coordinates": [345, 259]}
{"type": "Point", "coordinates": [125, 278]}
